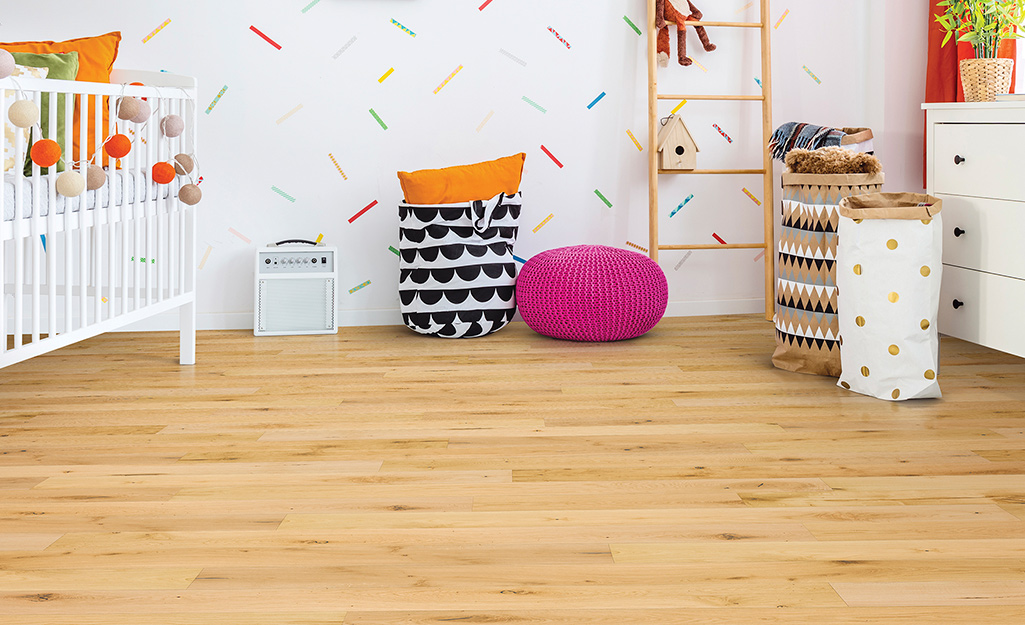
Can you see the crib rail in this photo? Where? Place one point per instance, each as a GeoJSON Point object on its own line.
{"type": "Point", "coordinates": [72, 274]}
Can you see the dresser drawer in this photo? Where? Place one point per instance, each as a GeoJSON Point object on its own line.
{"type": "Point", "coordinates": [992, 160]}
{"type": "Point", "coordinates": [984, 234]}
{"type": "Point", "coordinates": [989, 309]}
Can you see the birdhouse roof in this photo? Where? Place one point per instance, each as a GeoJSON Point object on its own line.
{"type": "Point", "coordinates": [675, 128]}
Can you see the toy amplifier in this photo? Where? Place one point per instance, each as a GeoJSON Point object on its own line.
{"type": "Point", "coordinates": [295, 289]}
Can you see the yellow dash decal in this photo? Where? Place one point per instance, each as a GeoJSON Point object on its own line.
{"type": "Point", "coordinates": [386, 74]}
{"type": "Point", "coordinates": [546, 220]}
{"type": "Point", "coordinates": [634, 139]}
{"type": "Point", "coordinates": [634, 245]}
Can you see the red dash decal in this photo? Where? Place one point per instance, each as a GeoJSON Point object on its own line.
{"type": "Point", "coordinates": [265, 37]}
{"type": "Point", "coordinates": [486, 3]}
{"type": "Point", "coordinates": [357, 215]}
{"type": "Point", "coordinates": [551, 156]}
{"type": "Point", "coordinates": [718, 238]}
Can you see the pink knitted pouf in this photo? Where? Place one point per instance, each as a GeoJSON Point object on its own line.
{"type": "Point", "coordinates": [591, 293]}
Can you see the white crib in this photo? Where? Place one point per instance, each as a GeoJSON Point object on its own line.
{"type": "Point", "coordinates": [113, 256]}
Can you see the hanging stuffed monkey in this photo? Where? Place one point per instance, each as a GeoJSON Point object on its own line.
{"type": "Point", "coordinates": [668, 11]}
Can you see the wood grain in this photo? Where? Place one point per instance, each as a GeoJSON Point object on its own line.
{"type": "Point", "coordinates": [380, 477]}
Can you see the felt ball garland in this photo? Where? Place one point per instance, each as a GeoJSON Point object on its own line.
{"type": "Point", "coordinates": [184, 164]}
{"type": "Point", "coordinates": [70, 184]}
{"type": "Point", "coordinates": [190, 194]}
{"type": "Point", "coordinates": [45, 152]}
{"type": "Point", "coordinates": [128, 107]}
{"type": "Point", "coordinates": [172, 125]}
{"type": "Point", "coordinates": [117, 146]}
{"type": "Point", "coordinates": [95, 177]}
{"type": "Point", "coordinates": [162, 173]}
{"type": "Point", "coordinates": [23, 113]}
{"type": "Point", "coordinates": [6, 63]}
{"type": "Point", "coordinates": [143, 113]}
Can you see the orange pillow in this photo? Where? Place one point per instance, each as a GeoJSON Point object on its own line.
{"type": "Point", "coordinates": [465, 183]}
{"type": "Point", "coordinates": [96, 57]}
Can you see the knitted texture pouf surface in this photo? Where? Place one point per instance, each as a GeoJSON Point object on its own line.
{"type": "Point", "coordinates": [591, 293]}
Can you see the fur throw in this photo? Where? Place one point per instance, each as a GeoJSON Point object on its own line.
{"type": "Point", "coordinates": [832, 160]}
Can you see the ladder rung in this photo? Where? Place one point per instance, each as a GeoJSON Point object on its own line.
{"type": "Point", "coordinates": [715, 246]}
{"type": "Point", "coordinates": [712, 171]}
{"type": "Point", "coordinates": [709, 97]}
{"type": "Point", "coordinates": [726, 24]}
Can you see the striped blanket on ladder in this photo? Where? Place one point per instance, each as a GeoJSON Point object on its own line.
{"type": "Point", "coordinates": [793, 135]}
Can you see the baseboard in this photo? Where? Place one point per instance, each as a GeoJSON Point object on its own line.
{"type": "Point", "coordinates": [391, 316]}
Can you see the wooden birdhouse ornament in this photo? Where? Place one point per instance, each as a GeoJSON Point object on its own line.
{"type": "Point", "coordinates": [677, 149]}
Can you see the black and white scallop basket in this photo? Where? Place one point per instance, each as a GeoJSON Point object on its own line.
{"type": "Point", "coordinates": [457, 275]}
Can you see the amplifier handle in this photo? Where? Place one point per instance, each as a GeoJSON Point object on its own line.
{"type": "Point", "coordinates": [282, 242]}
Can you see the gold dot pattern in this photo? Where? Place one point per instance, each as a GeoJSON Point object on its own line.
{"type": "Point", "coordinates": [925, 271]}
{"type": "Point", "coordinates": [894, 350]}
{"type": "Point", "coordinates": [845, 385]}
{"type": "Point", "coordinates": [860, 321]}
{"type": "Point", "coordinates": [864, 371]}
{"type": "Point", "coordinates": [892, 244]}
{"type": "Point", "coordinates": [893, 297]}
{"type": "Point", "coordinates": [925, 324]}
{"type": "Point", "coordinates": [930, 375]}
{"type": "Point", "coordinates": [895, 394]}
{"type": "Point", "coordinates": [927, 221]}
{"type": "Point", "coordinates": [857, 270]}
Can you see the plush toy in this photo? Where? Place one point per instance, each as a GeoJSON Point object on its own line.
{"type": "Point", "coordinates": [831, 160]}
{"type": "Point", "coordinates": [668, 11]}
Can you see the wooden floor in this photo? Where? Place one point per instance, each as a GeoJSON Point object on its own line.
{"type": "Point", "coordinates": [381, 477]}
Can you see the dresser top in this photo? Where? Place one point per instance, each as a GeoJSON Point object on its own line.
{"type": "Point", "coordinates": [968, 106]}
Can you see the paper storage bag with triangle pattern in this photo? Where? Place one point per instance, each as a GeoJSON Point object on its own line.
{"type": "Point", "coordinates": [807, 332]}
{"type": "Point", "coordinates": [889, 265]}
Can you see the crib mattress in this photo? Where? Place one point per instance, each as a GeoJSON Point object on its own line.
{"type": "Point", "coordinates": [123, 192]}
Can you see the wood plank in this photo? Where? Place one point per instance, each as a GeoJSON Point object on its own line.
{"type": "Point", "coordinates": [944, 593]}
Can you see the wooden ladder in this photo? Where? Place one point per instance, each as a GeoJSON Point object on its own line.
{"type": "Point", "coordinates": [766, 171]}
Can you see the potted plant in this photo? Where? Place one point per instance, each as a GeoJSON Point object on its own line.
{"type": "Point", "coordinates": [984, 24]}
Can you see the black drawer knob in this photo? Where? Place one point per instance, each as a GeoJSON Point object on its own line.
{"type": "Point", "coordinates": [958, 304]}
{"type": "Point", "coordinates": [958, 232]}
{"type": "Point", "coordinates": [958, 159]}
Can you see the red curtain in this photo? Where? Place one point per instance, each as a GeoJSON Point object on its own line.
{"type": "Point", "coordinates": [942, 78]}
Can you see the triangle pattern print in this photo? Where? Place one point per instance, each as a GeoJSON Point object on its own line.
{"type": "Point", "coordinates": [457, 275]}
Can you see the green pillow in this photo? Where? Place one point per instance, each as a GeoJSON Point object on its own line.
{"type": "Point", "coordinates": [62, 67]}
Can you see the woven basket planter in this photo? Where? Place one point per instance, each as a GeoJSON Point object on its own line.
{"type": "Point", "coordinates": [983, 79]}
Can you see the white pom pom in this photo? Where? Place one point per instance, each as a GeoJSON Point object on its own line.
{"type": "Point", "coordinates": [23, 113]}
{"type": "Point", "coordinates": [70, 184]}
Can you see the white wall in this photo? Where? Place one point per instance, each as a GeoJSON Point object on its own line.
{"type": "Point", "coordinates": [244, 150]}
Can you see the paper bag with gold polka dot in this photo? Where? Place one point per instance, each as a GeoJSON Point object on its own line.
{"type": "Point", "coordinates": [889, 253]}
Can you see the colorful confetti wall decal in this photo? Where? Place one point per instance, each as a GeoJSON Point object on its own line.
{"type": "Point", "coordinates": [450, 77]}
{"type": "Point", "coordinates": [394, 251]}
{"type": "Point", "coordinates": [682, 204]}
{"type": "Point", "coordinates": [217, 99]}
{"type": "Point", "coordinates": [634, 139]}
{"type": "Point", "coordinates": [356, 288]}
{"type": "Point", "coordinates": [759, 81]}
{"type": "Point", "coordinates": [206, 255]}
{"type": "Point", "coordinates": [156, 30]}
{"type": "Point", "coordinates": [289, 114]}
{"type": "Point", "coordinates": [379, 120]}
{"type": "Point", "coordinates": [337, 166]}
{"type": "Point", "coordinates": [513, 57]}
{"type": "Point", "coordinates": [239, 235]}
{"type": "Point", "coordinates": [703, 68]}
{"type": "Point", "coordinates": [595, 101]}
{"type": "Point", "coordinates": [724, 135]}
{"type": "Point", "coordinates": [761, 254]}
{"type": "Point", "coordinates": [744, 8]}
{"type": "Point", "coordinates": [781, 18]}
{"type": "Point", "coordinates": [343, 48]}
{"type": "Point", "coordinates": [534, 104]}
{"type": "Point", "coordinates": [486, 3]}
{"type": "Point", "coordinates": [404, 29]}
{"type": "Point", "coordinates": [310, 6]}
{"type": "Point", "coordinates": [551, 156]}
{"type": "Point", "coordinates": [632, 25]}
{"type": "Point", "coordinates": [603, 198]}
{"type": "Point", "coordinates": [518, 259]}
{"type": "Point", "coordinates": [678, 107]}
{"type": "Point", "coordinates": [320, 237]}
{"type": "Point", "coordinates": [265, 37]}
{"type": "Point", "coordinates": [359, 214]}
{"type": "Point", "coordinates": [683, 260]}
{"type": "Point", "coordinates": [812, 74]}
{"type": "Point", "coordinates": [282, 194]}
{"type": "Point", "coordinates": [718, 238]}
{"type": "Point", "coordinates": [386, 74]}
{"type": "Point", "coordinates": [753, 198]}
{"type": "Point", "coordinates": [541, 225]}
{"type": "Point", "coordinates": [559, 37]}
{"type": "Point", "coordinates": [487, 118]}
{"type": "Point", "coordinates": [635, 246]}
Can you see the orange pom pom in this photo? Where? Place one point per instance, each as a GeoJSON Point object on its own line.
{"type": "Point", "coordinates": [162, 173]}
{"type": "Point", "coordinates": [46, 152]}
{"type": "Point", "coordinates": [118, 146]}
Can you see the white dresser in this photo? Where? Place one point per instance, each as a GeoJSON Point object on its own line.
{"type": "Point", "coordinates": [976, 164]}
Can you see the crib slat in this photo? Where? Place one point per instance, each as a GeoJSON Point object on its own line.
{"type": "Point", "coordinates": [19, 242]}
{"type": "Point", "coordinates": [35, 232]}
{"type": "Point", "coordinates": [3, 247]}
{"type": "Point", "coordinates": [69, 282]}
{"type": "Point", "coordinates": [51, 225]}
